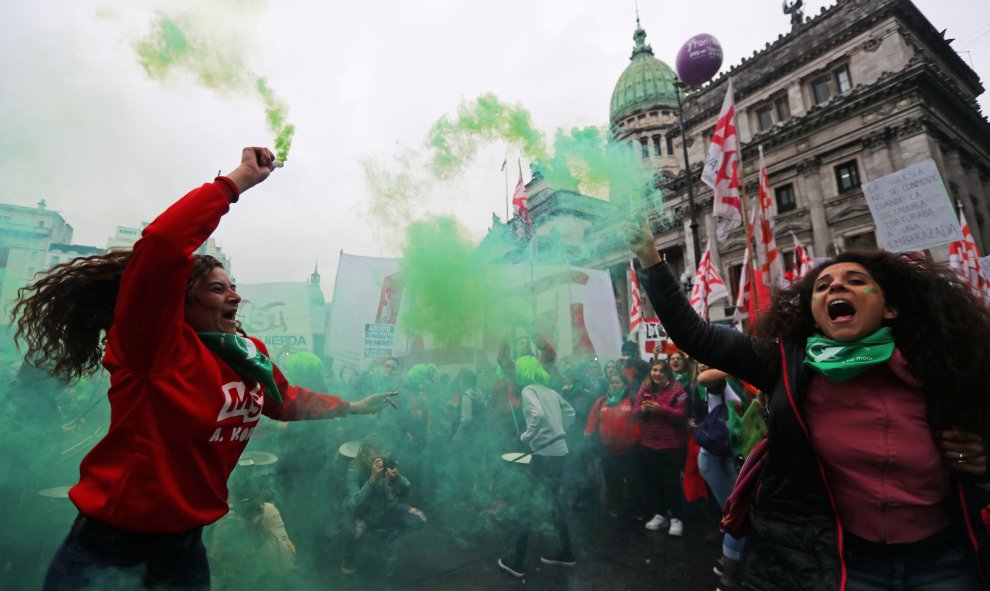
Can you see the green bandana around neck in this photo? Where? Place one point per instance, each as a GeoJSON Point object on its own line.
{"type": "Point", "coordinates": [839, 361]}
{"type": "Point", "coordinates": [613, 398]}
{"type": "Point", "coordinates": [244, 357]}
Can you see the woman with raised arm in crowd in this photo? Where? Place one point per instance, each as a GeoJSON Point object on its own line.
{"type": "Point", "coordinates": [879, 415]}
{"type": "Point", "coordinates": [187, 389]}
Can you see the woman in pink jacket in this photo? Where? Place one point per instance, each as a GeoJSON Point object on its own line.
{"type": "Point", "coordinates": [662, 407]}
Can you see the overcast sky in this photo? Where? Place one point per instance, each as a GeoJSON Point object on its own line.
{"type": "Point", "coordinates": [84, 127]}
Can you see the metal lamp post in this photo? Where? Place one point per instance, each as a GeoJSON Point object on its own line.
{"type": "Point", "coordinates": [692, 210]}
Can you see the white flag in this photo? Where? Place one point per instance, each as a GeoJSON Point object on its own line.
{"type": "Point", "coordinates": [708, 285]}
{"type": "Point", "coordinates": [721, 171]}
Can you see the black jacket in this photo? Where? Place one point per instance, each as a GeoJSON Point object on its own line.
{"type": "Point", "coordinates": [796, 536]}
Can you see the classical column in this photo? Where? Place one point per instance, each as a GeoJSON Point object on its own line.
{"type": "Point", "coordinates": [953, 166]}
{"type": "Point", "coordinates": [811, 183]}
{"type": "Point", "coordinates": [880, 158]}
{"type": "Point", "coordinates": [975, 187]}
{"type": "Point", "coordinates": [689, 263]}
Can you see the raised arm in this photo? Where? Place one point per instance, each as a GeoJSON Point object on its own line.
{"type": "Point", "coordinates": [150, 307]}
{"type": "Point", "coordinates": [723, 348]}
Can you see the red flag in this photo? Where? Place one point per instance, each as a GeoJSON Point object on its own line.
{"type": "Point", "coordinates": [721, 171]}
{"type": "Point", "coordinates": [743, 298]}
{"type": "Point", "coordinates": [708, 284]}
{"type": "Point", "coordinates": [751, 292]}
{"type": "Point", "coordinates": [519, 198]}
{"type": "Point", "coordinates": [635, 309]}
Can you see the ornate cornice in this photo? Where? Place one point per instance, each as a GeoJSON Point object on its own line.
{"type": "Point", "coordinates": [809, 165]}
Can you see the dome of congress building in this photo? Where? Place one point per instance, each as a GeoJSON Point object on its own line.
{"type": "Point", "coordinates": [646, 82]}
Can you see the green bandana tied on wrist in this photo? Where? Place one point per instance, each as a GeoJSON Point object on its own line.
{"type": "Point", "coordinates": [839, 361]}
{"type": "Point", "coordinates": [244, 357]}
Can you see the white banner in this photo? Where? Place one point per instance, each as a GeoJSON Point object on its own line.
{"type": "Point", "coordinates": [575, 309]}
{"type": "Point", "coordinates": [280, 314]}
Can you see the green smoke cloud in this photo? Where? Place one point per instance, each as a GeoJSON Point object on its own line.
{"type": "Point", "coordinates": [581, 160]}
{"type": "Point", "coordinates": [175, 44]}
{"type": "Point", "coordinates": [454, 140]}
{"type": "Point", "coordinates": [444, 282]}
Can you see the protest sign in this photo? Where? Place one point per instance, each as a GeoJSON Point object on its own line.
{"type": "Point", "coordinates": [911, 209]}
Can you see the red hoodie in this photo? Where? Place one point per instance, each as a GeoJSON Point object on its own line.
{"type": "Point", "coordinates": [180, 416]}
{"type": "Point", "coordinates": [618, 428]}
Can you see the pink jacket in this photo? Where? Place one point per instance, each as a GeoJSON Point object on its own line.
{"type": "Point", "coordinates": [664, 429]}
{"type": "Point", "coordinates": [889, 480]}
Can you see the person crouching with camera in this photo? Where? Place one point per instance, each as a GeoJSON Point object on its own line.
{"type": "Point", "coordinates": [374, 487]}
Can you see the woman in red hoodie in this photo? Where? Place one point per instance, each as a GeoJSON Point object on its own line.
{"type": "Point", "coordinates": [187, 390]}
{"type": "Point", "coordinates": [662, 407]}
{"type": "Point", "coordinates": [618, 432]}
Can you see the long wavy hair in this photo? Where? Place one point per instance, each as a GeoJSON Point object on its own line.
{"type": "Point", "coordinates": [648, 383]}
{"type": "Point", "coordinates": [942, 329]}
{"type": "Point", "coordinates": [63, 317]}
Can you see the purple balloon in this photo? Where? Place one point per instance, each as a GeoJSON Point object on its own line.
{"type": "Point", "coordinates": [699, 59]}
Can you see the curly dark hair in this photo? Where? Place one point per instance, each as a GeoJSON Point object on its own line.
{"type": "Point", "coordinates": [942, 329]}
{"type": "Point", "coordinates": [63, 317]}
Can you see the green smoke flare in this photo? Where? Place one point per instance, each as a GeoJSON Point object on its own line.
{"type": "Point", "coordinates": [275, 111]}
{"type": "Point", "coordinates": [172, 44]}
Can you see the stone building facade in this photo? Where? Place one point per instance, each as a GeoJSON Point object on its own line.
{"type": "Point", "coordinates": [862, 89]}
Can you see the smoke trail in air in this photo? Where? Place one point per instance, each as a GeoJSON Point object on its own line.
{"type": "Point", "coordinates": [581, 160]}
{"type": "Point", "coordinates": [177, 43]}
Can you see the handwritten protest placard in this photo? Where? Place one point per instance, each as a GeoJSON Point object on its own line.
{"type": "Point", "coordinates": [378, 339]}
{"type": "Point", "coordinates": [911, 209]}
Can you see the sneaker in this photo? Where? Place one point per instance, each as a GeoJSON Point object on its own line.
{"type": "Point", "coordinates": [513, 569]}
{"type": "Point", "coordinates": [562, 559]}
{"type": "Point", "coordinates": [658, 521]}
{"type": "Point", "coordinates": [718, 569]}
{"type": "Point", "coordinates": [347, 566]}
{"type": "Point", "coordinates": [676, 527]}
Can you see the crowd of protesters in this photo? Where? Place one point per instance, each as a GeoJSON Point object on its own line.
{"type": "Point", "coordinates": [843, 443]}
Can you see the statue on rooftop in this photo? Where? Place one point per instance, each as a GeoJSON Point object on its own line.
{"type": "Point", "coordinates": [794, 9]}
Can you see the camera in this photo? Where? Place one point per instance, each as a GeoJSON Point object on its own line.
{"type": "Point", "coordinates": [389, 463]}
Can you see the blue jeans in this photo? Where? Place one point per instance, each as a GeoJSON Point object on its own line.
{"type": "Point", "coordinates": [720, 474]}
{"type": "Point", "coordinates": [397, 520]}
{"type": "Point", "coordinates": [950, 570]}
{"type": "Point", "coordinates": [97, 556]}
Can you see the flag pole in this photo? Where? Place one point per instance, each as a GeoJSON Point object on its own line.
{"type": "Point", "coordinates": [750, 236]}
{"type": "Point", "coordinates": [505, 169]}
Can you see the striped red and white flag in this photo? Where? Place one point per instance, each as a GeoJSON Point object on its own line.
{"type": "Point", "coordinates": [721, 171]}
{"type": "Point", "coordinates": [519, 199]}
{"type": "Point", "coordinates": [803, 261]}
{"type": "Point", "coordinates": [767, 255]}
{"type": "Point", "coordinates": [964, 257]}
{"type": "Point", "coordinates": [708, 285]}
{"type": "Point", "coordinates": [635, 306]}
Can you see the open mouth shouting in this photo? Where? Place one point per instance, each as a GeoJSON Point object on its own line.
{"type": "Point", "coordinates": [230, 316]}
{"type": "Point", "coordinates": [847, 302]}
{"type": "Point", "coordinates": [841, 311]}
